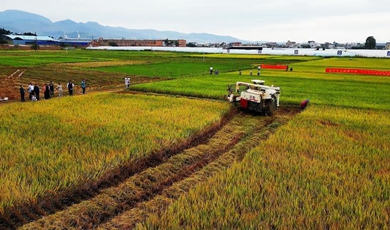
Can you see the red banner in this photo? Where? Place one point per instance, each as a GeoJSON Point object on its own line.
{"type": "Point", "coordinates": [284, 67]}
{"type": "Point", "coordinates": [358, 71]}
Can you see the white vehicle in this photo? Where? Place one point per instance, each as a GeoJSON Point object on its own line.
{"type": "Point", "coordinates": [255, 96]}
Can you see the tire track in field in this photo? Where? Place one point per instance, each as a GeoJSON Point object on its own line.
{"type": "Point", "coordinates": [53, 203]}
{"type": "Point", "coordinates": [158, 204]}
{"type": "Point", "coordinates": [124, 205]}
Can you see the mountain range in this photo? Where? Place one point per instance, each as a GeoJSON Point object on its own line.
{"type": "Point", "coordinates": [18, 21]}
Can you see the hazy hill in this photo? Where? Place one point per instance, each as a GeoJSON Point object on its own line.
{"type": "Point", "coordinates": [20, 21]}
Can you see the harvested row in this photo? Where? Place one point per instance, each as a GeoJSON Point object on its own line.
{"type": "Point", "coordinates": [85, 185]}
{"type": "Point", "coordinates": [156, 206]}
{"type": "Point", "coordinates": [152, 182]}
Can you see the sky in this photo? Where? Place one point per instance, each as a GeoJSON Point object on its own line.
{"type": "Point", "coordinates": [345, 21]}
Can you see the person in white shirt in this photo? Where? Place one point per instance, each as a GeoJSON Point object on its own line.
{"type": "Point", "coordinates": [211, 70]}
{"type": "Point", "coordinates": [30, 90]}
{"type": "Point", "coordinates": [59, 88]}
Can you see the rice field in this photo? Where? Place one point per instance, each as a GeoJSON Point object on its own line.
{"type": "Point", "coordinates": [325, 168]}
{"type": "Point", "coordinates": [60, 143]}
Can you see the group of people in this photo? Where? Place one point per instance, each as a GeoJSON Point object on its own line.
{"type": "Point", "coordinates": [48, 90]}
{"type": "Point", "coordinates": [250, 72]}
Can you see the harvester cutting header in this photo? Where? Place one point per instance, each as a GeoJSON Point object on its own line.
{"type": "Point", "coordinates": [255, 96]}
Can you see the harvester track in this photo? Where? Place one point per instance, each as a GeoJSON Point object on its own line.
{"type": "Point", "coordinates": [53, 203]}
{"type": "Point", "coordinates": [123, 192]}
{"type": "Point", "coordinates": [151, 190]}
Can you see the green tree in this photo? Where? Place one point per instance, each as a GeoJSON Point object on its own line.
{"type": "Point", "coordinates": [112, 44]}
{"type": "Point", "coordinates": [4, 31]}
{"type": "Point", "coordinates": [370, 43]}
{"type": "Point", "coordinates": [191, 44]}
{"type": "Point", "coordinates": [30, 34]}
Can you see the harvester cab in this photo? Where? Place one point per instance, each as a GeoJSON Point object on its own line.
{"type": "Point", "coordinates": [255, 96]}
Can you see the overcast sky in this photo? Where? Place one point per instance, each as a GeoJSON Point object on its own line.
{"type": "Point", "coordinates": [254, 20]}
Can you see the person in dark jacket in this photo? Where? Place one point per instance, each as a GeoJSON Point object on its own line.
{"type": "Point", "coordinates": [51, 86]}
{"type": "Point", "coordinates": [304, 104]}
{"type": "Point", "coordinates": [70, 86]}
{"type": "Point", "coordinates": [36, 91]}
{"type": "Point", "coordinates": [22, 92]}
{"type": "Point", "coordinates": [47, 91]}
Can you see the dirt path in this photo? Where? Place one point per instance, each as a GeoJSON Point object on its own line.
{"type": "Point", "coordinates": [126, 198]}
{"type": "Point", "coordinates": [10, 84]}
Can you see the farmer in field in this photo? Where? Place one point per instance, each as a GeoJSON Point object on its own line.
{"type": "Point", "coordinates": [83, 85]}
{"type": "Point", "coordinates": [304, 104]}
{"type": "Point", "coordinates": [30, 90]}
{"type": "Point", "coordinates": [258, 70]}
{"type": "Point", "coordinates": [211, 70]}
{"type": "Point", "coordinates": [22, 94]}
{"type": "Point", "coordinates": [127, 82]}
{"type": "Point", "coordinates": [70, 87]}
{"type": "Point", "coordinates": [51, 87]}
{"type": "Point", "coordinates": [59, 88]}
{"type": "Point", "coordinates": [46, 91]}
{"type": "Point", "coordinates": [36, 91]}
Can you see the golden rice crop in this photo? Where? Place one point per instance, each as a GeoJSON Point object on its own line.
{"type": "Point", "coordinates": [328, 168]}
{"type": "Point", "coordinates": [55, 144]}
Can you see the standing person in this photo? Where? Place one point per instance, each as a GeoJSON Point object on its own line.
{"type": "Point", "coordinates": [36, 91]}
{"type": "Point", "coordinates": [258, 70]}
{"type": "Point", "coordinates": [304, 104]}
{"type": "Point", "coordinates": [127, 82]}
{"type": "Point", "coordinates": [70, 86]}
{"type": "Point", "coordinates": [51, 86]}
{"type": "Point", "coordinates": [59, 88]}
{"type": "Point", "coordinates": [43, 90]}
{"type": "Point", "coordinates": [31, 90]}
{"type": "Point", "coordinates": [83, 85]}
{"type": "Point", "coordinates": [22, 94]}
{"type": "Point", "coordinates": [46, 91]}
{"type": "Point", "coordinates": [211, 70]}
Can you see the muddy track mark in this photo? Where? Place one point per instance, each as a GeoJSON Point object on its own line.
{"type": "Point", "coordinates": [151, 183]}
{"type": "Point", "coordinates": [156, 206]}
{"type": "Point", "coordinates": [52, 203]}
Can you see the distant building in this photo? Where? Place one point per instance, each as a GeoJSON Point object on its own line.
{"type": "Point", "coordinates": [44, 40]}
{"type": "Point", "coordinates": [235, 44]}
{"type": "Point", "coordinates": [380, 46]}
{"type": "Point", "coordinates": [313, 44]}
{"type": "Point", "coordinates": [131, 42]}
{"type": "Point", "coordinates": [28, 40]}
{"type": "Point", "coordinates": [291, 44]}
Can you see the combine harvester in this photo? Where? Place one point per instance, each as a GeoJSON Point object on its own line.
{"type": "Point", "coordinates": [255, 96]}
